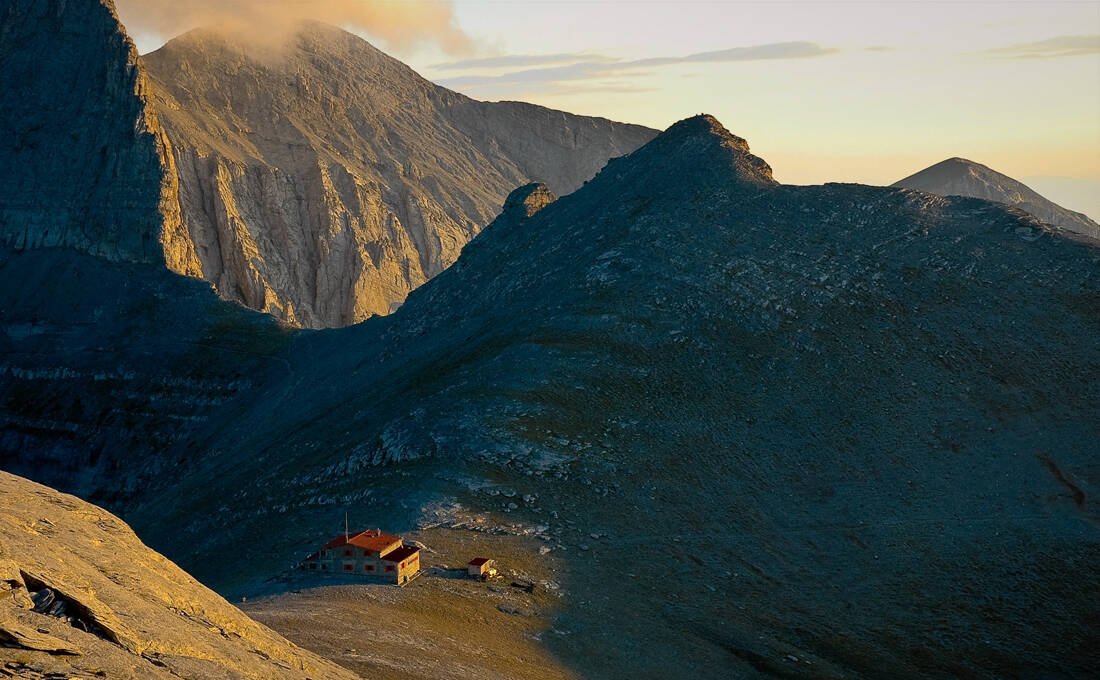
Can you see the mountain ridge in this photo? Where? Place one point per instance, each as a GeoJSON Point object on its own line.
{"type": "Point", "coordinates": [762, 430]}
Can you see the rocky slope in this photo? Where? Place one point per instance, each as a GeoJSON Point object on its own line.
{"type": "Point", "coordinates": [321, 184]}
{"type": "Point", "coordinates": [81, 596]}
{"type": "Point", "coordinates": [960, 177]}
{"type": "Point", "coordinates": [103, 365]}
{"type": "Point", "coordinates": [767, 431]}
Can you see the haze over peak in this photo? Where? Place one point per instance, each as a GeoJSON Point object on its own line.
{"type": "Point", "coordinates": [259, 22]}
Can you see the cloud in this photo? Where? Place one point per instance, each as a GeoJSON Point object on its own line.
{"type": "Point", "coordinates": [603, 67]}
{"type": "Point", "coordinates": [400, 25]}
{"type": "Point", "coordinates": [519, 60]}
{"type": "Point", "coordinates": [1061, 46]}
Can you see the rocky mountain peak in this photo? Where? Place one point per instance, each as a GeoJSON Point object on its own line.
{"type": "Point", "coordinates": [701, 147]}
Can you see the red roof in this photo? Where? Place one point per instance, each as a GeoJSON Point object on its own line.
{"type": "Point", "coordinates": [401, 553]}
{"type": "Point", "coordinates": [371, 539]}
{"type": "Point", "coordinates": [478, 561]}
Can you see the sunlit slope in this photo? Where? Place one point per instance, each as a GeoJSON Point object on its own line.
{"type": "Point", "coordinates": [83, 597]}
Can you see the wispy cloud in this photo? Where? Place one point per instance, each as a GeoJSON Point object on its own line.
{"type": "Point", "coordinates": [1060, 46]}
{"type": "Point", "coordinates": [596, 66]}
{"type": "Point", "coordinates": [520, 60]}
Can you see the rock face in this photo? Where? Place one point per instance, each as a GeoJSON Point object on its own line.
{"type": "Point", "coordinates": [321, 184]}
{"type": "Point", "coordinates": [960, 177]}
{"type": "Point", "coordinates": [832, 431]}
{"type": "Point", "coordinates": [81, 596]}
{"type": "Point", "coordinates": [85, 163]}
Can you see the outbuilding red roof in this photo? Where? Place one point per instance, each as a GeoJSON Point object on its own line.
{"type": "Point", "coordinates": [478, 561]}
{"type": "Point", "coordinates": [371, 539]}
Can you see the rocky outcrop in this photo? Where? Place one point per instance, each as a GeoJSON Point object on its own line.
{"type": "Point", "coordinates": [86, 165]}
{"type": "Point", "coordinates": [527, 200]}
{"type": "Point", "coordinates": [323, 183]}
{"type": "Point", "coordinates": [81, 596]}
{"type": "Point", "coordinates": [960, 177]}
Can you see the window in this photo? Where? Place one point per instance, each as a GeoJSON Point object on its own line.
{"type": "Point", "coordinates": [348, 567]}
{"type": "Point", "coordinates": [366, 553]}
{"type": "Point", "coordinates": [322, 553]}
{"type": "Point", "coordinates": [389, 567]}
{"type": "Point", "coordinates": [368, 567]}
{"type": "Point", "coordinates": [324, 566]}
{"type": "Point", "coordinates": [312, 565]}
{"type": "Point", "coordinates": [402, 565]}
{"type": "Point", "coordinates": [347, 553]}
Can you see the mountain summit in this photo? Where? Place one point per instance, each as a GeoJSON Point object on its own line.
{"type": "Point", "coordinates": [962, 177]}
{"type": "Point", "coordinates": [324, 182]}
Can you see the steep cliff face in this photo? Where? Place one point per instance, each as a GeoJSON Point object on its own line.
{"type": "Point", "coordinates": [324, 182]}
{"type": "Point", "coordinates": [105, 355]}
{"type": "Point", "coordinates": [81, 596]}
{"type": "Point", "coordinates": [961, 177]}
{"type": "Point", "coordinates": [85, 163]}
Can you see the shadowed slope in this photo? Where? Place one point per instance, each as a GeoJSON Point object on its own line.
{"type": "Point", "coordinates": [85, 165]}
{"type": "Point", "coordinates": [770, 431]}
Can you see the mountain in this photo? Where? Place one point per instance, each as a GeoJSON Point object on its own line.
{"type": "Point", "coordinates": [960, 177]}
{"type": "Point", "coordinates": [744, 429]}
{"type": "Point", "coordinates": [82, 597]}
{"type": "Point", "coordinates": [764, 430]}
{"type": "Point", "coordinates": [321, 184]}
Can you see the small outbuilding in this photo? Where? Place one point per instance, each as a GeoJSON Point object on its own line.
{"type": "Point", "coordinates": [481, 568]}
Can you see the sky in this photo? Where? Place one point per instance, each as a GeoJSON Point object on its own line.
{"type": "Point", "coordinates": [824, 90]}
